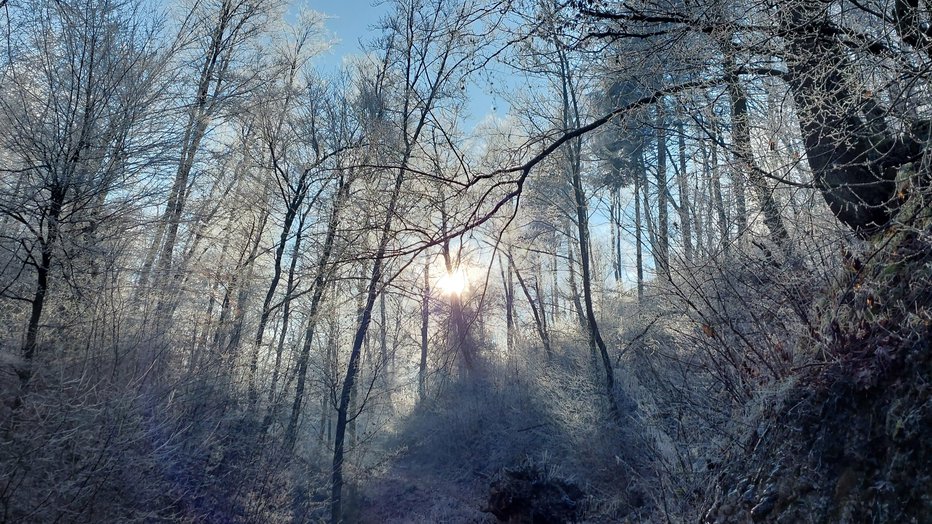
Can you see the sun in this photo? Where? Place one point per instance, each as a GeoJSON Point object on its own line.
{"type": "Point", "coordinates": [454, 283]}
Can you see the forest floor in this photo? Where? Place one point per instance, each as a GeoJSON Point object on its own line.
{"type": "Point", "coordinates": [406, 492]}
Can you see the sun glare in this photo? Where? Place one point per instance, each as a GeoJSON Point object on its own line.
{"type": "Point", "coordinates": [453, 283]}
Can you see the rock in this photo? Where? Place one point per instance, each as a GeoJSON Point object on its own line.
{"type": "Point", "coordinates": [763, 508]}
{"type": "Point", "coordinates": [770, 490]}
{"type": "Point", "coordinates": [527, 495]}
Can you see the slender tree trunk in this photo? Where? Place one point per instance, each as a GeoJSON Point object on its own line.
{"type": "Point", "coordinates": [741, 136]}
{"type": "Point", "coordinates": [352, 369]}
{"type": "Point", "coordinates": [584, 258]}
{"type": "Point", "coordinates": [274, 397]}
{"type": "Point", "coordinates": [574, 290]}
{"type": "Point", "coordinates": [539, 322]}
{"type": "Point", "coordinates": [538, 290]}
{"type": "Point", "coordinates": [36, 307]}
{"type": "Point", "coordinates": [613, 231]}
{"type": "Point", "coordinates": [618, 231]}
{"type": "Point", "coordinates": [718, 201]}
{"type": "Point", "coordinates": [653, 243]}
{"type": "Point", "coordinates": [662, 254]}
{"type": "Point", "coordinates": [741, 206]}
{"type": "Point", "coordinates": [683, 189]}
{"type": "Point", "coordinates": [329, 372]}
{"type": "Point", "coordinates": [555, 312]}
{"type": "Point", "coordinates": [410, 135]}
{"type": "Point", "coordinates": [383, 338]}
{"type": "Point", "coordinates": [43, 268]}
{"type": "Point", "coordinates": [425, 322]}
{"type": "Point", "coordinates": [701, 213]}
{"type": "Point", "coordinates": [509, 292]}
{"type": "Point", "coordinates": [572, 116]}
{"type": "Point", "coordinates": [266, 312]}
{"type": "Point", "coordinates": [638, 239]}
{"type": "Point", "coordinates": [458, 328]}
{"type": "Point", "coordinates": [213, 72]}
{"type": "Point", "coordinates": [243, 295]}
{"type": "Point", "coordinates": [320, 281]}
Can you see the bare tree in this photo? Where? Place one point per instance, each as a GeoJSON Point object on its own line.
{"type": "Point", "coordinates": [75, 103]}
{"type": "Point", "coordinates": [221, 32]}
{"type": "Point", "coordinates": [429, 42]}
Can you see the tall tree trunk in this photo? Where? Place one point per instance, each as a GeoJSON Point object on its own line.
{"type": "Point", "coordinates": [210, 83]}
{"type": "Point", "coordinates": [652, 234]}
{"type": "Point", "coordinates": [425, 324]}
{"type": "Point", "coordinates": [458, 327]}
{"type": "Point", "coordinates": [329, 372]}
{"type": "Point", "coordinates": [320, 282]}
{"type": "Point", "coordinates": [248, 267]}
{"type": "Point", "coordinates": [536, 308]}
{"type": "Point", "coordinates": [538, 290]}
{"type": "Point", "coordinates": [555, 312]}
{"type": "Point", "coordinates": [741, 136]}
{"type": "Point", "coordinates": [618, 231]}
{"type": "Point", "coordinates": [638, 239]}
{"type": "Point", "coordinates": [662, 255]}
{"type": "Point", "coordinates": [352, 369]}
{"type": "Point", "coordinates": [741, 205]}
{"type": "Point", "coordinates": [163, 245]}
{"type": "Point", "coordinates": [574, 289]}
{"type": "Point", "coordinates": [701, 212]}
{"type": "Point", "coordinates": [43, 268]}
{"type": "Point", "coordinates": [613, 231]}
{"type": "Point", "coordinates": [683, 189]}
{"type": "Point", "coordinates": [509, 294]}
{"type": "Point", "coordinates": [383, 338]}
{"type": "Point", "coordinates": [572, 116]}
{"type": "Point", "coordinates": [274, 397]}
{"type": "Point", "coordinates": [853, 167]}
{"type": "Point", "coordinates": [290, 215]}
{"type": "Point", "coordinates": [582, 222]}
{"type": "Point", "coordinates": [714, 175]}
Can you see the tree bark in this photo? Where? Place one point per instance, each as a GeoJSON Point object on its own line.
{"type": "Point", "coordinates": [163, 244]}
{"type": "Point", "coordinates": [509, 293]}
{"type": "Point", "coordinates": [43, 268]}
{"type": "Point", "coordinates": [662, 255]}
{"type": "Point", "coordinates": [574, 289]}
{"type": "Point", "coordinates": [572, 118]}
{"type": "Point", "coordinates": [320, 283]}
{"type": "Point", "coordinates": [638, 239]}
{"type": "Point", "coordinates": [290, 215]}
{"type": "Point", "coordinates": [685, 207]}
{"type": "Point", "coordinates": [425, 325]}
{"type": "Point", "coordinates": [539, 323]}
{"type": "Point", "coordinates": [352, 369]}
{"type": "Point", "coordinates": [712, 173]}
{"type": "Point", "coordinates": [741, 137]}
{"type": "Point", "coordinates": [854, 172]}
{"type": "Point", "coordinates": [274, 397]}
{"type": "Point", "coordinates": [584, 257]}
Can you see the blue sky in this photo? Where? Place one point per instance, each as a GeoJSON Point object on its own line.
{"type": "Point", "coordinates": [348, 22]}
{"type": "Point", "coordinates": [352, 22]}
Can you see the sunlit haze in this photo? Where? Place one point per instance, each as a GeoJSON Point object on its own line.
{"type": "Point", "coordinates": [454, 283]}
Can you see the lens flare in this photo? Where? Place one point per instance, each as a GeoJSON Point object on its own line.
{"type": "Point", "coordinates": [453, 283]}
